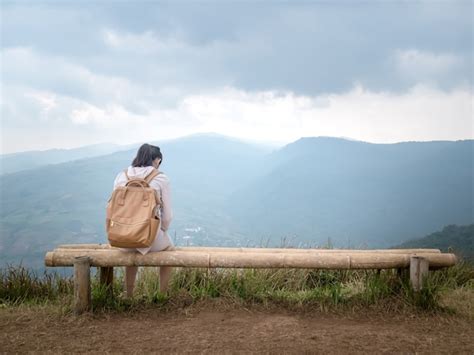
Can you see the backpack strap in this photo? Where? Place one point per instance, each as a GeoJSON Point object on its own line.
{"type": "Point", "coordinates": [151, 176]}
{"type": "Point", "coordinates": [148, 179]}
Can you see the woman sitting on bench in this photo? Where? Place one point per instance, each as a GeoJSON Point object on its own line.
{"type": "Point", "coordinates": [148, 158]}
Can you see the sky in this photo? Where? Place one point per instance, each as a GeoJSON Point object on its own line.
{"type": "Point", "coordinates": [75, 73]}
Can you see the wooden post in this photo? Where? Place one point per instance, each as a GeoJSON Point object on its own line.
{"type": "Point", "coordinates": [82, 285]}
{"type": "Point", "coordinates": [107, 278]}
{"type": "Point", "coordinates": [419, 268]}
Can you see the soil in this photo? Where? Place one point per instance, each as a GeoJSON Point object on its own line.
{"type": "Point", "coordinates": [207, 329]}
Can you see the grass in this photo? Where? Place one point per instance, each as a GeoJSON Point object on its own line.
{"type": "Point", "coordinates": [290, 288]}
{"type": "Point", "coordinates": [20, 285]}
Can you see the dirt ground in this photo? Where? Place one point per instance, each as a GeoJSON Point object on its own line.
{"type": "Point", "coordinates": [233, 330]}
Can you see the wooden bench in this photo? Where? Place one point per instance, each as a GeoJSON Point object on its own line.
{"type": "Point", "coordinates": [83, 256]}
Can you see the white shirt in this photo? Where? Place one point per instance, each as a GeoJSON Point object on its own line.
{"type": "Point", "coordinates": [161, 184]}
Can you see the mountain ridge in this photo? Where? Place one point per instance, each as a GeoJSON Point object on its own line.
{"type": "Point", "coordinates": [235, 194]}
{"type": "Point", "coordinates": [452, 238]}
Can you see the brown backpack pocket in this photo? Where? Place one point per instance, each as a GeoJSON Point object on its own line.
{"type": "Point", "coordinates": [136, 235]}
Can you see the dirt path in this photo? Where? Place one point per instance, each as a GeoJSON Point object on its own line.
{"type": "Point", "coordinates": [233, 330]}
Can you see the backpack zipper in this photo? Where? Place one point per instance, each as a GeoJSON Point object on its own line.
{"type": "Point", "coordinates": [131, 224]}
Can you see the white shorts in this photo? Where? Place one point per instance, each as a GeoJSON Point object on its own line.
{"type": "Point", "coordinates": [161, 242]}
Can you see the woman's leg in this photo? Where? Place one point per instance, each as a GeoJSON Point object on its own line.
{"type": "Point", "coordinates": [165, 275]}
{"type": "Point", "coordinates": [130, 275]}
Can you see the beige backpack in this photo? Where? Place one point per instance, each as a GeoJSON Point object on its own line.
{"type": "Point", "coordinates": [131, 221]}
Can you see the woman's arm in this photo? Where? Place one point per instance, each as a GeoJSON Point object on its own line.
{"type": "Point", "coordinates": [166, 208]}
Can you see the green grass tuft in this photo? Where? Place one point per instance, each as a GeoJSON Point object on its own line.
{"type": "Point", "coordinates": [292, 288]}
{"type": "Point", "coordinates": [20, 285]}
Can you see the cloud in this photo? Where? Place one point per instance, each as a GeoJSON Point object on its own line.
{"type": "Point", "coordinates": [306, 48]}
{"type": "Point", "coordinates": [141, 43]}
{"type": "Point", "coordinates": [273, 70]}
{"type": "Point", "coordinates": [45, 100]}
{"type": "Point", "coordinates": [26, 67]}
{"type": "Point", "coordinates": [426, 66]}
{"type": "Point", "coordinates": [422, 113]}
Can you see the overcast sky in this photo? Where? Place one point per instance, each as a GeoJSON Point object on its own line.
{"type": "Point", "coordinates": [84, 72]}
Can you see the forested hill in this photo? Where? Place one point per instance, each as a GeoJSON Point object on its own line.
{"type": "Point", "coordinates": [459, 239]}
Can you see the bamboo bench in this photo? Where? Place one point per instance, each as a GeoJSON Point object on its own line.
{"type": "Point", "coordinates": [83, 256]}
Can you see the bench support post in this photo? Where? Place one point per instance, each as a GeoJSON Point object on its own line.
{"type": "Point", "coordinates": [82, 285]}
{"type": "Point", "coordinates": [107, 279]}
{"type": "Point", "coordinates": [419, 268]}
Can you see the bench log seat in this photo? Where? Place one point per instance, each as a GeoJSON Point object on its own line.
{"type": "Point", "coordinates": [83, 256]}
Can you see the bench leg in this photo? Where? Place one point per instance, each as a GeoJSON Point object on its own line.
{"type": "Point", "coordinates": [82, 285]}
{"type": "Point", "coordinates": [419, 268]}
{"type": "Point", "coordinates": [107, 279]}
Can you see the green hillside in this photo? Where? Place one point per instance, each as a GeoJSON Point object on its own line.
{"type": "Point", "coordinates": [458, 239]}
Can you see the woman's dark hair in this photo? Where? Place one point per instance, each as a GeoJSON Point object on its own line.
{"type": "Point", "coordinates": [146, 154]}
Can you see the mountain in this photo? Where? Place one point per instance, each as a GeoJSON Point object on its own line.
{"type": "Point", "coordinates": [10, 163]}
{"type": "Point", "coordinates": [65, 203]}
{"type": "Point", "coordinates": [358, 193]}
{"type": "Point", "coordinates": [457, 239]}
{"type": "Point", "coordinates": [233, 193]}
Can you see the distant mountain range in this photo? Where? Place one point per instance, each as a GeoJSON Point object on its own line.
{"type": "Point", "coordinates": [455, 239]}
{"type": "Point", "coordinates": [229, 192]}
{"type": "Point", "coordinates": [10, 163]}
{"type": "Point", "coordinates": [358, 193]}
